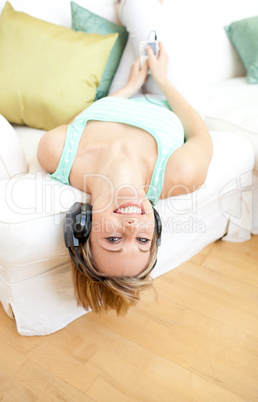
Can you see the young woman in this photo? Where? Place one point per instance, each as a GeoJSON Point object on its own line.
{"type": "Point", "coordinates": [127, 153]}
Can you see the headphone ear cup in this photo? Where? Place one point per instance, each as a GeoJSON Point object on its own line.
{"type": "Point", "coordinates": [88, 221]}
{"type": "Point", "coordinates": [69, 238]}
{"type": "Point", "coordinates": [78, 222]}
{"type": "Point", "coordinates": [158, 226]}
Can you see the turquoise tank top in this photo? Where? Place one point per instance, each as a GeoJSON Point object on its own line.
{"type": "Point", "coordinates": [155, 118]}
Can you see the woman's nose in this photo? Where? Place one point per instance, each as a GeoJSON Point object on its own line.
{"type": "Point", "coordinates": [130, 221]}
{"type": "Point", "coordinates": [130, 227]}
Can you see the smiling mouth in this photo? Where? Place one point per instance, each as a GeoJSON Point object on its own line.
{"type": "Point", "coordinates": [130, 208]}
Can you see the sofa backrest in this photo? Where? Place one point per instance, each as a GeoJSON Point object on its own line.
{"type": "Point", "coordinates": [198, 44]}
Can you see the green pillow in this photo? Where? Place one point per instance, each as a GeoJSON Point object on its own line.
{"type": "Point", "coordinates": [86, 21]}
{"type": "Point", "coordinates": [243, 35]}
{"type": "Point", "coordinates": [48, 73]}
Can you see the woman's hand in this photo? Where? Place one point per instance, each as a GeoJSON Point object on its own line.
{"type": "Point", "coordinates": [137, 78]}
{"type": "Point", "coordinates": [158, 66]}
{"type": "Point", "coordinates": [137, 75]}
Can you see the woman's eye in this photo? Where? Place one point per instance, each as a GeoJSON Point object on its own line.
{"type": "Point", "coordinates": [113, 239]}
{"type": "Point", "coordinates": [143, 240]}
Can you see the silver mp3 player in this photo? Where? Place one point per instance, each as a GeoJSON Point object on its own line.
{"type": "Point", "coordinates": [142, 49]}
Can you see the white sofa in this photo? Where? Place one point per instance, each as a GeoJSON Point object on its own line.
{"type": "Point", "coordinates": [35, 281]}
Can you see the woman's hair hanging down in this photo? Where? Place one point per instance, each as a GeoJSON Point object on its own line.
{"type": "Point", "coordinates": [118, 293]}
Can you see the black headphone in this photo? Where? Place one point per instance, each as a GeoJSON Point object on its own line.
{"type": "Point", "coordinates": [77, 229]}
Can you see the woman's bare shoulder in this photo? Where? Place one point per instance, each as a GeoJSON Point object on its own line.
{"type": "Point", "coordinates": [50, 148]}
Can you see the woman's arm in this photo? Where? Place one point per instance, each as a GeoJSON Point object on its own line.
{"type": "Point", "coordinates": [187, 168]}
{"type": "Point", "coordinates": [191, 120]}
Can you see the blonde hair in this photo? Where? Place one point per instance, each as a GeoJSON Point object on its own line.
{"type": "Point", "coordinates": [118, 293]}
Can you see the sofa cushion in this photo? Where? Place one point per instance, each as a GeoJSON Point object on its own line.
{"type": "Point", "coordinates": [232, 105]}
{"type": "Point", "coordinates": [243, 35]}
{"type": "Point", "coordinates": [88, 22]}
{"type": "Point", "coordinates": [51, 73]}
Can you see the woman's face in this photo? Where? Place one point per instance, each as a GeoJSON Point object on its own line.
{"type": "Point", "coordinates": [121, 237]}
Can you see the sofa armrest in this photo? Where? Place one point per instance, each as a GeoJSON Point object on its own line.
{"type": "Point", "coordinates": [12, 157]}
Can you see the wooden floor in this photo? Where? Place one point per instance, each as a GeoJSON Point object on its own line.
{"type": "Point", "coordinates": [197, 342]}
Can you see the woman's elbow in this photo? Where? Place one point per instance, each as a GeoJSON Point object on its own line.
{"type": "Point", "coordinates": [47, 152]}
{"type": "Point", "coordinates": [42, 152]}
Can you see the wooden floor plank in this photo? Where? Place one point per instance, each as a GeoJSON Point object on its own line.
{"type": "Point", "coordinates": [63, 366]}
{"type": "Point", "coordinates": [10, 359]}
{"type": "Point", "coordinates": [43, 386]}
{"type": "Point", "coordinates": [226, 301]}
{"type": "Point", "coordinates": [11, 390]}
{"type": "Point", "coordinates": [237, 260]}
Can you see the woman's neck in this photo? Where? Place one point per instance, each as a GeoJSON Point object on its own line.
{"type": "Point", "coordinates": [111, 156]}
{"type": "Point", "coordinates": [121, 176]}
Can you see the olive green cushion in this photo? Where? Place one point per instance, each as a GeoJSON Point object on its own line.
{"type": "Point", "coordinates": [48, 73]}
